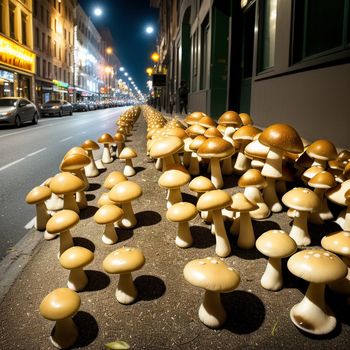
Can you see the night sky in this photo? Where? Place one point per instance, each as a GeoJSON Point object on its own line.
{"type": "Point", "coordinates": [127, 20]}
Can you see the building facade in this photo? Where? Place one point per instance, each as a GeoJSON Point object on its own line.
{"type": "Point", "coordinates": [17, 59]}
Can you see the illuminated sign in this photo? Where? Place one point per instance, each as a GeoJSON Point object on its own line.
{"type": "Point", "coordinates": [61, 84]}
{"type": "Point", "coordinates": [6, 75]}
{"type": "Point", "coordinates": [16, 56]}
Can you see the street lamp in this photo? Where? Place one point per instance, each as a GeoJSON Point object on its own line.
{"type": "Point", "coordinates": [109, 50]}
{"type": "Point", "coordinates": [149, 30]}
{"type": "Point", "coordinates": [122, 69]}
{"type": "Point", "coordinates": [98, 11]}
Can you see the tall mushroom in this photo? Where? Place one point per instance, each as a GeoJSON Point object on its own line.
{"type": "Point", "coordinates": [128, 154]}
{"type": "Point", "coordinates": [90, 146]}
{"type": "Point", "coordinates": [106, 139]}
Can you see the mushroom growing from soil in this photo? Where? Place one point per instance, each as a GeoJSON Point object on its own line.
{"type": "Point", "coordinates": [108, 215]}
{"type": "Point", "coordinates": [90, 146]}
{"type": "Point", "coordinates": [214, 201]}
{"type": "Point", "coordinates": [74, 259]}
{"type": "Point", "coordinates": [124, 261]}
{"type": "Point", "coordinates": [128, 154]}
{"type": "Point", "coordinates": [318, 267]}
{"type": "Point", "coordinates": [215, 277]}
{"type": "Point", "coordinates": [182, 213]}
{"type": "Point", "coordinates": [106, 139]}
{"type": "Point", "coordinates": [60, 306]}
{"type": "Point", "coordinates": [275, 244]}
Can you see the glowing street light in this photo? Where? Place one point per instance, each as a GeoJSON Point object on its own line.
{"type": "Point", "coordinates": [98, 11]}
{"type": "Point", "coordinates": [109, 50]}
{"type": "Point", "coordinates": [126, 74]}
{"type": "Point", "coordinates": [155, 57]}
{"type": "Point", "coordinates": [149, 30]}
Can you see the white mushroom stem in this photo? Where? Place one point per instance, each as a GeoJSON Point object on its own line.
{"type": "Point", "coordinates": [299, 231]}
{"type": "Point", "coordinates": [129, 219]}
{"type": "Point", "coordinates": [70, 203]}
{"type": "Point", "coordinates": [168, 161]}
{"type": "Point", "coordinates": [246, 238]}
{"type": "Point", "coordinates": [126, 292]}
{"type": "Point", "coordinates": [54, 203]}
{"type": "Point", "coordinates": [255, 196]}
{"type": "Point", "coordinates": [320, 162]}
{"type": "Point", "coordinates": [222, 247]}
{"type": "Point", "coordinates": [129, 168]}
{"type": "Point", "coordinates": [312, 314]}
{"type": "Point", "coordinates": [273, 163]}
{"type": "Point", "coordinates": [174, 196]}
{"type": "Point", "coordinates": [347, 219]}
{"type": "Point", "coordinates": [109, 235]}
{"type": "Point", "coordinates": [42, 216]}
{"type": "Point", "coordinates": [81, 200]}
{"type": "Point", "coordinates": [242, 163]}
{"type": "Point", "coordinates": [106, 154]}
{"type": "Point", "coordinates": [77, 280]}
{"type": "Point", "coordinates": [91, 169]}
{"type": "Point", "coordinates": [49, 236]}
{"type": "Point", "coordinates": [324, 213]}
{"type": "Point", "coordinates": [216, 176]}
{"type": "Point", "coordinates": [194, 165]}
{"type": "Point", "coordinates": [81, 174]}
{"type": "Point", "coordinates": [64, 334]}
{"type": "Point", "coordinates": [272, 278]}
{"type": "Point", "coordinates": [342, 286]}
{"type": "Point", "coordinates": [184, 238]}
{"type": "Point", "coordinates": [211, 312]}
{"type": "Point", "coordinates": [270, 196]}
{"type": "Point", "coordinates": [227, 168]}
{"type": "Point", "coordinates": [66, 241]}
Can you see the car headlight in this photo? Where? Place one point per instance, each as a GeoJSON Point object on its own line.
{"type": "Point", "coordinates": [55, 107]}
{"type": "Point", "coordinates": [6, 113]}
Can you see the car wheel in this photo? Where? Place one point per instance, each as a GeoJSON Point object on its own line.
{"type": "Point", "coordinates": [71, 112]}
{"type": "Point", "coordinates": [60, 113]}
{"type": "Point", "coordinates": [18, 121]}
{"type": "Point", "coordinates": [35, 118]}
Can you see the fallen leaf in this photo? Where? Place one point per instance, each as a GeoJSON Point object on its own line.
{"type": "Point", "coordinates": [118, 344]}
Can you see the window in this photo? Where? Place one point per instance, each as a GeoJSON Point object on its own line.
{"type": "Point", "coordinates": [44, 68]}
{"type": "Point", "coordinates": [194, 52]}
{"type": "Point", "coordinates": [55, 71]}
{"type": "Point", "coordinates": [55, 25]}
{"type": "Point", "coordinates": [47, 18]}
{"type": "Point", "coordinates": [54, 48]}
{"type": "Point", "coordinates": [267, 29]}
{"type": "Point", "coordinates": [12, 21]}
{"type": "Point", "coordinates": [37, 38]}
{"type": "Point", "coordinates": [43, 46]}
{"type": "Point", "coordinates": [49, 45]}
{"type": "Point", "coordinates": [35, 8]}
{"type": "Point", "coordinates": [42, 13]}
{"type": "Point", "coordinates": [1, 22]}
{"type": "Point", "coordinates": [60, 73]}
{"type": "Point", "coordinates": [24, 28]}
{"type": "Point", "coordinates": [65, 34]}
{"type": "Point", "coordinates": [59, 6]}
{"type": "Point", "coordinates": [49, 70]}
{"type": "Point", "coordinates": [205, 54]}
{"type": "Point", "coordinates": [320, 27]}
{"type": "Point", "coordinates": [59, 53]}
{"type": "Point", "coordinates": [38, 72]}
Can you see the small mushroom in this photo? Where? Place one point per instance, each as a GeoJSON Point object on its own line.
{"type": "Point", "coordinates": [321, 151]}
{"type": "Point", "coordinates": [60, 306]}
{"type": "Point", "coordinates": [113, 179]}
{"type": "Point", "coordinates": [194, 169]}
{"type": "Point", "coordinates": [106, 139]}
{"type": "Point", "coordinates": [128, 154]}
{"type": "Point", "coordinates": [124, 261]}
{"type": "Point", "coordinates": [74, 259]}
{"type": "Point", "coordinates": [182, 213]}
{"type": "Point", "coordinates": [119, 138]}
{"type": "Point", "coordinates": [215, 277]}
{"type": "Point", "coordinates": [91, 169]}
{"type": "Point", "coordinates": [104, 199]}
{"type": "Point", "coordinates": [275, 244]}
{"type": "Point", "coordinates": [108, 215]}
{"type": "Point", "coordinates": [318, 267]}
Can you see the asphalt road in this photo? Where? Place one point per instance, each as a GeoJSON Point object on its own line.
{"type": "Point", "coordinates": [31, 154]}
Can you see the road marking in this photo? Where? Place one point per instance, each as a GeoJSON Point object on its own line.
{"type": "Point", "coordinates": [27, 130]}
{"type": "Point", "coordinates": [66, 139]}
{"type": "Point", "coordinates": [30, 224]}
{"type": "Point", "coordinates": [10, 164]}
{"type": "Point", "coordinates": [36, 152]}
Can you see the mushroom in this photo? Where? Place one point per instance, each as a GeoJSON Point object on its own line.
{"type": "Point", "coordinates": [207, 122]}
{"type": "Point", "coordinates": [104, 199]}
{"type": "Point", "coordinates": [215, 277]}
{"type": "Point", "coordinates": [84, 159]}
{"type": "Point", "coordinates": [61, 223]}
{"type": "Point", "coordinates": [275, 244]}
{"type": "Point", "coordinates": [252, 181]}
{"type": "Point", "coordinates": [113, 179]}
{"type": "Point", "coordinates": [304, 201]}
{"type": "Point", "coordinates": [214, 201]}
{"type": "Point", "coordinates": [106, 139]}
{"type": "Point", "coordinates": [60, 306]}
{"type": "Point", "coordinates": [216, 149]}
{"type": "Point", "coordinates": [339, 243]}
{"type": "Point", "coordinates": [38, 195]}
{"type": "Point", "coordinates": [241, 204]}
{"type": "Point", "coordinates": [257, 152]}
{"type": "Point", "coordinates": [123, 261]}
{"type": "Point", "coordinates": [119, 138]}
{"type": "Point", "coordinates": [246, 118]}
{"type": "Point", "coordinates": [194, 161]}
{"type": "Point", "coordinates": [172, 180]}
{"type": "Point", "coordinates": [230, 119]}
{"type": "Point", "coordinates": [318, 267]}
{"type": "Point", "coordinates": [55, 202]}
{"type": "Point", "coordinates": [91, 169]}
{"type": "Point", "coordinates": [182, 213]}
{"type": "Point", "coordinates": [128, 154]}
{"type": "Point", "coordinates": [124, 193]}
{"type": "Point", "coordinates": [321, 151]}
{"type": "Point", "coordinates": [67, 184]}
{"type": "Point", "coordinates": [108, 215]}
{"type": "Point", "coordinates": [74, 259]}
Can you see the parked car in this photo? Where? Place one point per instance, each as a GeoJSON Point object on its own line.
{"type": "Point", "coordinates": [17, 110]}
{"type": "Point", "coordinates": [92, 106]}
{"type": "Point", "coordinates": [56, 108]}
{"type": "Point", "coordinates": [80, 106]}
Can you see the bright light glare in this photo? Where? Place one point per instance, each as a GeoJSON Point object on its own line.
{"type": "Point", "coordinates": [97, 11]}
{"type": "Point", "coordinates": [122, 69]}
{"type": "Point", "coordinates": [149, 30]}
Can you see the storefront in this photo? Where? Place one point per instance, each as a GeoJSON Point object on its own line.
{"type": "Point", "coordinates": [43, 91]}
{"type": "Point", "coordinates": [17, 68]}
{"type": "Point", "coordinates": [60, 90]}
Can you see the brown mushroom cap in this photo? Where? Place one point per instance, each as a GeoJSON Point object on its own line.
{"type": "Point", "coordinates": [173, 179]}
{"type": "Point", "coordinates": [119, 137]}
{"type": "Point", "coordinates": [282, 136]}
{"type": "Point", "coordinates": [104, 199]}
{"type": "Point", "coordinates": [74, 162]}
{"type": "Point", "coordinates": [166, 146]}
{"type": "Point", "coordinates": [252, 177]}
{"type": "Point", "coordinates": [337, 193]}
{"type": "Point", "coordinates": [302, 199]}
{"type": "Point", "coordinates": [38, 194]}
{"type": "Point", "coordinates": [76, 150]}
{"type": "Point", "coordinates": [311, 172]}
{"type": "Point", "coordinates": [113, 179]}
{"type": "Point", "coordinates": [90, 145]}
{"type": "Point", "coordinates": [181, 212]}
{"type": "Point", "coordinates": [241, 203]}
{"type": "Point", "coordinates": [127, 153]}
{"type": "Point", "coordinates": [215, 147]}
{"type": "Point", "coordinates": [195, 130]}
{"type": "Point", "coordinates": [108, 214]}
{"type": "Point", "coordinates": [178, 132]}
{"type": "Point", "coordinates": [125, 191]}
{"type": "Point", "coordinates": [246, 132]}
{"type": "Point", "coordinates": [197, 142]}
{"type": "Point", "coordinates": [213, 200]}
{"type": "Point", "coordinates": [230, 118]}
{"type": "Point", "coordinates": [276, 244]}
{"type": "Point", "coordinates": [322, 149]}
{"type": "Point", "coordinates": [207, 122]}
{"type": "Point", "coordinates": [124, 260]}
{"type": "Point", "coordinates": [212, 274]}
{"type": "Point", "coordinates": [317, 265]}
{"type": "Point", "coordinates": [60, 304]}
{"type": "Point", "coordinates": [76, 257]}
{"type": "Point", "coordinates": [246, 118]}
{"type": "Point", "coordinates": [66, 183]}
{"type": "Point", "coordinates": [201, 184]}
{"type": "Point", "coordinates": [106, 138]}
{"type": "Point", "coordinates": [323, 179]}
{"type": "Point", "coordinates": [62, 220]}
{"type": "Point", "coordinates": [337, 242]}
{"type": "Point", "coordinates": [346, 171]}
{"type": "Point", "coordinates": [256, 149]}
{"type": "Point", "coordinates": [212, 132]}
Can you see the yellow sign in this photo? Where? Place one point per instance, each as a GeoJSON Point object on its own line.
{"type": "Point", "coordinates": [16, 56]}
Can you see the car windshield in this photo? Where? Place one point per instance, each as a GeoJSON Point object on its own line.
{"type": "Point", "coordinates": [53, 102]}
{"type": "Point", "coordinates": [8, 102]}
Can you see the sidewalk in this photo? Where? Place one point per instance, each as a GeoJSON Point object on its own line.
{"type": "Point", "coordinates": [165, 315]}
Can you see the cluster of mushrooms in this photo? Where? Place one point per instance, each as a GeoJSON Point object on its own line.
{"type": "Point", "coordinates": [58, 203]}
{"type": "Point", "coordinates": [198, 151]}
